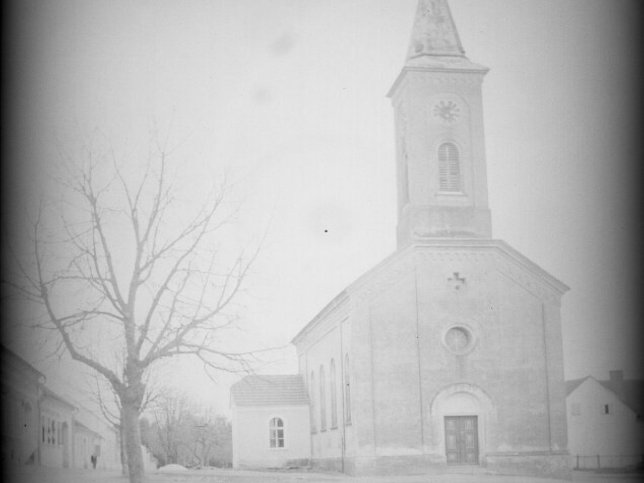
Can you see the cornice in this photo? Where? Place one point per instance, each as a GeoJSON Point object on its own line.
{"type": "Point", "coordinates": [337, 303]}
{"type": "Point", "coordinates": [388, 272]}
{"type": "Point", "coordinates": [446, 74]}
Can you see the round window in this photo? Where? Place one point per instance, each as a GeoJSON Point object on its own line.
{"type": "Point", "coordinates": [458, 339]}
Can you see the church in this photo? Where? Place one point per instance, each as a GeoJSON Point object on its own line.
{"type": "Point", "coordinates": [449, 351]}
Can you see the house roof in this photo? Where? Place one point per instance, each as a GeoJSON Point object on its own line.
{"type": "Point", "coordinates": [48, 393]}
{"type": "Point", "coordinates": [574, 384]}
{"type": "Point", "coordinates": [80, 426]}
{"type": "Point", "coordinates": [282, 390]}
{"type": "Point", "coordinates": [10, 356]}
{"type": "Point", "coordinates": [628, 391]}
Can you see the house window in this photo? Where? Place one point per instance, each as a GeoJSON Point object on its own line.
{"type": "Point", "coordinates": [449, 169]}
{"type": "Point", "coordinates": [312, 391]}
{"type": "Point", "coordinates": [322, 400]}
{"type": "Point", "coordinates": [606, 409]}
{"type": "Point", "coordinates": [347, 391]}
{"type": "Point", "coordinates": [334, 402]}
{"type": "Point", "coordinates": [276, 433]}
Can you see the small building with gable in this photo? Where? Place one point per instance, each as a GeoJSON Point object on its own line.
{"type": "Point", "coordinates": [270, 421]}
{"type": "Point", "coordinates": [606, 421]}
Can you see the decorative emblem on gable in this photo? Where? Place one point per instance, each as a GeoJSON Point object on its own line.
{"type": "Point", "coordinates": [456, 281]}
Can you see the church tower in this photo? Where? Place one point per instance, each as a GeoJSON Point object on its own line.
{"type": "Point", "coordinates": [449, 351]}
{"type": "Point", "coordinates": [441, 170]}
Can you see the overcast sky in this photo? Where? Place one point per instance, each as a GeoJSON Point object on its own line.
{"type": "Point", "coordinates": [289, 97]}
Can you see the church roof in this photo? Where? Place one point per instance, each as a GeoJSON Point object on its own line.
{"type": "Point", "coordinates": [628, 391]}
{"type": "Point", "coordinates": [435, 44]}
{"type": "Point", "coordinates": [272, 390]}
{"type": "Point", "coordinates": [434, 32]}
{"type": "Point", "coordinates": [443, 244]}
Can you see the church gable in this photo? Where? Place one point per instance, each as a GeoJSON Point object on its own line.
{"type": "Point", "coordinates": [487, 255]}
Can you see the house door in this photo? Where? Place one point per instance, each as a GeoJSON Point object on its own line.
{"type": "Point", "coordinates": [461, 440]}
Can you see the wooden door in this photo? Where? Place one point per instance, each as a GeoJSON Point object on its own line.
{"type": "Point", "coordinates": [461, 440]}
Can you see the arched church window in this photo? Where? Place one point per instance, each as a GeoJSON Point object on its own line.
{"type": "Point", "coordinates": [276, 433]}
{"type": "Point", "coordinates": [334, 402]}
{"type": "Point", "coordinates": [347, 391]}
{"type": "Point", "coordinates": [322, 400]}
{"type": "Point", "coordinates": [312, 390]}
{"type": "Point", "coordinates": [449, 169]}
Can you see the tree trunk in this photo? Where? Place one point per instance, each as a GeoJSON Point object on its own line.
{"type": "Point", "coordinates": [133, 441]}
{"type": "Point", "coordinates": [124, 470]}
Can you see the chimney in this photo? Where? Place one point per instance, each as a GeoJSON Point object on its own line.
{"type": "Point", "coordinates": [616, 376]}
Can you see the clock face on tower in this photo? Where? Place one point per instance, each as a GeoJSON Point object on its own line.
{"type": "Point", "coordinates": [446, 111]}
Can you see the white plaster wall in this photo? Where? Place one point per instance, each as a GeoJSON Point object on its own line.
{"type": "Point", "coordinates": [251, 444]}
{"type": "Point", "coordinates": [20, 420]}
{"type": "Point", "coordinates": [83, 447]}
{"type": "Point", "coordinates": [591, 432]}
{"type": "Point", "coordinates": [57, 455]}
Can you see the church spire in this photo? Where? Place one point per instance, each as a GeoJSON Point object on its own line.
{"type": "Point", "coordinates": [434, 33]}
{"type": "Point", "coordinates": [440, 155]}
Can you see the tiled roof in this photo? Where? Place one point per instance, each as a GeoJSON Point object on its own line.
{"type": "Point", "coordinates": [286, 390]}
{"type": "Point", "coordinates": [629, 391]}
{"type": "Point", "coordinates": [574, 384]}
{"type": "Point", "coordinates": [16, 359]}
{"type": "Point", "coordinates": [78, 425]}
{"type": "Point", "coordinates": [52, 395]}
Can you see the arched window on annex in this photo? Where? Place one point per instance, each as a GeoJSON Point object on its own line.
{"type": "Point", "coordinates": [276, 433]}
{"type": "Point", "coordinates": [449, 168]}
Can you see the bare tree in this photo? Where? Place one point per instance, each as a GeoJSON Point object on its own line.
{"type": "Point", "coordinates": [184, 433]}
{"type": "Point", "coordinates": [171, 424]}
{"type": "Point", "coordinates": [211, 439]}
{"type": "Point", "coordinates": [111, 410]}
{"type": "Point", "coordinates": [141, 275]}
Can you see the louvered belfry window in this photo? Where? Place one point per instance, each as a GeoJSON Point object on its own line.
{"type": "Point", "coordinates": [449, 169]}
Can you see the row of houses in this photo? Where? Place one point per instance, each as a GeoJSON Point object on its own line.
{"type": "Point", "coordinates": [40, 427]}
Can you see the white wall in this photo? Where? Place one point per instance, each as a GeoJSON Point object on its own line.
{"type": "Point", "coordinates": [57, 453]}
{"type": "Point", "coordinates": [591, 432]}
{"type": "Point", "coordinates": [105, 436]}
{"type": "Point", "coordinates": [251, 445]}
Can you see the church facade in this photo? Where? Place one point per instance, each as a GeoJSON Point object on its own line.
{"type": "Point", "coordinates": [449, 351]}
